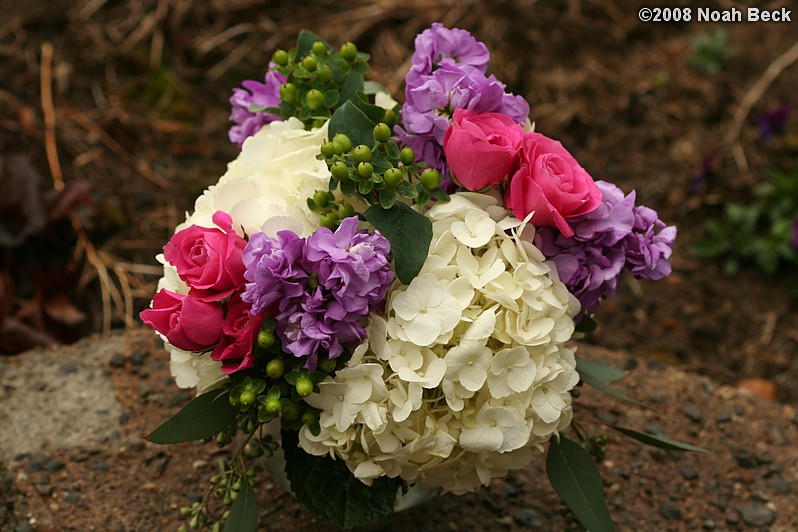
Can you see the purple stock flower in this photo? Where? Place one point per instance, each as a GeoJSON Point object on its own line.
{"type": "Point", "coordinates": [617, 236]}
{"type": "Point", "coordinates": [320, 287]}
{"type": "Point", "coordinates": [448, 73]}
{"type": "Point", "coordinates": [267, 94]}
{"type": "Point", "coordinates": [439, 44]}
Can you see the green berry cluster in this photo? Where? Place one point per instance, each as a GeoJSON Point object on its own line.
{"type": "Point", "coordinates": [316, 80]}
{"type": "Point", "coordinates": [225, 486]}
{"type": "Point", "coordinates": [382, 172]}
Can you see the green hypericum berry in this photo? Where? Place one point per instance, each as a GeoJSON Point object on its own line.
{"type": "Point", "coordinates": [339, 170]}
{"type": "Point", "coordinates": [288, 92]}
{"type": "Point", "coordinates": [291, 411]}
{"type": "Point", "coordinates": [430, 179]}
{"type": "Point", "coordinates": [318, 48]}
{"type": "Point", "coordinates": [406, 155]}
{"type": "Point", "coordinates": [343, 141]}
{"type": "Point", "coordinates": [320, 198]}
{"type": "Point", "coordinates": [325, 74]}
{"type": "Point", "coordinates": [266, 339]}
{"type": "Point", "coordinates": [275, 368]}
{"type": "Point", "coordinates": [309, 63]}
{"type": "Point", "coordinates": [327, 365]}
{"type": "Point", "coordinates": [328, 149]}
{"type": "Point", "coordinates": [382, 133]}
{"type": "Point", "coordinates": [365, 170]}
{"type": "Point", "coordinates": [280, 57]}
{"type": "Point", "coordinates": [304, 387]}
{"type": "Point", "coordinates": [314, 98]}
{"type": "Point", "coordinates": [273, 406]}
{"type": "Point", "coordinates": [329, 220]}
{"type": "Point", "coordinates": [393, 176]}
{"type": "Point", "coordinates": [247, 397]}
{"type": "Point", "coordinates": [309, 417]}
{"type": "Point", "coordinates": [345, 210]}
{"type": "Point", "coordinates": [389, 117]}
{"type": "Point", "coordinates": [361, 154]}
{"type": "Point", "coordinates": [349, 51]}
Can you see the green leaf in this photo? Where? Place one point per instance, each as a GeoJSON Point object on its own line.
{"type": "Point", "coordinates": [387, 197]}
{"type": "Point", "coordinates": [352, 85]}
{"type": "Point", "coordinates": [244, 512]}
{"type": "Point", "coordinates": [574, 476]}
{"type": "Point", "coordinates": [328, 489]}
{"type": "Point", "coordinates": [597, 370]}
{"type": "Point", "coordinates": [372, 87]}
{"type": "Point", "coordinates": [304, 42]}
{"type": "Point", "coordinates": [659, 441]}
{"type": "Point", "coordinates": [407, 190]}
{"type": "Point", "coordinates": [350, 120]}
{"type": "Point", "coordinates": [365, 187]}
{"type": "Point", "coordinates": [408, 232]}
{"type": "Point", "coordinates": [348, 187]}
{"type": "Point", "coordinates": [331, 97]}
{"type": "Point", "coordinates": [203, 417]}
{"type": "Point", "coordinates": [440, 195]}
{"type": "Point", "coordinates": [392, 150]}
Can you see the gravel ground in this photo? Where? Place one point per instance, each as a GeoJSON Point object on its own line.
{"type": "Point", "coordinates": [72, 465]}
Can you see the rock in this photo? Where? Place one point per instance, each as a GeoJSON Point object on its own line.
{"type": "Point", "coordinates": [529, 518]}
{"type": "Point", "coordinates": [777, 484]}
{"type": "Point", "coordinates": [68, 369]}
{"type": "Point", "coordinates": [723, 417]}
{"type": "Point", "coordinates": [708, 524]}
{"type": "Point", "coordinates": [137, 358]}
{"type": "Point", "coordinates": [100, 466]}
{"type": "Point", "coordinates": [693, 413]}
{"type": "Point", "coordinates": [117, 360]}
{"type": "Point", "coordinates": [688, 473]}
{"type": "Point", "coordinates": [669, 510]}
{"type": "Point", "coordinates": [744, 459]}
{"type": "Point", "coordinates": [756, 514]}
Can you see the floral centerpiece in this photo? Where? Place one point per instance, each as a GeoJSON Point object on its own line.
{"type": "Point", "coordinates": [394, 288]}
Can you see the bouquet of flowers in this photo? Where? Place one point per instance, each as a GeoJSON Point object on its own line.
{"type": "Point", "coordinates": [393, 288]}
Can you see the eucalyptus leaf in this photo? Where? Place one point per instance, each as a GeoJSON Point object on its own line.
{"type": "Point", "coordinates": [574, 476]}
{"type": "Point", "coordinates": [244, 512]}
{"type": "Point", "coordinates": [351, 86]}
{"type": "Point", "coordinates": [598, 370]}
{"type": "Point", "coordinates": [350, 120]}
{"type": "Point", "coordinates": [373, 87]}
{"type": "Point", "coordinates": [662, 442]}
{"type": "Point", "coordinates": [408, 232]}
{"type": "Point", "coordinates": [205, 416]}
{"type": "Point", "coordinates": [328, 489]}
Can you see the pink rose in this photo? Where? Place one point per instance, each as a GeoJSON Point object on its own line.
{"type": "Point", "coordinates": [481, 148]}
{"type": "Point", "coordinates": [188, 323]}
{"type": "Point", "coordinates": [552, 184]}
{"type": "Point", "coordinates": [208, 259]}
{"type": "Point", "coordinates": [239, 334]}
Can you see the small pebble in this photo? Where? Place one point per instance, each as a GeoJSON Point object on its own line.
{"type": "Point", "coordinates": [709, 524]}
{"type": "Point", "coordinates": [137, 358]}
{"type": "Point", "coordinates": [655, 365]}
{"type": "Point", "coordinates": [68, 369]}
{"type": "Point", "coordinates": [688, 473]}
{"type": "Point", "coordinates": [723, 417]}
{"type": "Point", "coordinates": [654, 429]}
{"type": "Point", "coordinates": [100, 466]}
{"type": "Point", "coordinates": [669, 510]}
{"type": "Point", "coordinates": [117, 360]}
{"type": "Point", "coordinates": [756, 514]}
{"type": "Point", "coordinates": [529, 518]}
{"type": "Point", "coordinates": [693, 413]}
{"type": "Point", "coordinates": [744, 459]}
{"type": "Point", "coordinates": [629, 364]}
{"type": "Point", "coordinates": [194, 497]}
{"type": "Point", "coordinates": [777, 484]}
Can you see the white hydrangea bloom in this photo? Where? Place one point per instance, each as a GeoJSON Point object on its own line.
{"type": "Point", "coordinates": [265, 188]}
{"type": "Point", "coordinates": [474, 371]}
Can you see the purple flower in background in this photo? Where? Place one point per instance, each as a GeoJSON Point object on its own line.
{"type": "Point", "coordinates": [267, 94]}
{"type": "Point", "coordinates": [795, 234]}
{"type": "Point", "coordinates": [772, 122]}
{"type": "Point", "coordinates": [617, 236]}
{"type": "Point", "coordinates": [448, 73]}
{"type": "Point", "coordinates": [439, 44]}
{"type": "Point", "coordinates": [318, 288]}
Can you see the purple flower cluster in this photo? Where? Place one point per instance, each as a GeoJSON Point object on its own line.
{"type": "Point", "coordinates": [267, 94]}
{"type": "Point", "coordinates": [448, 73]}
{"type": "Point", "coordinates": [617, 236]}
{"type": "Point", "coordinates": [318, 288]}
